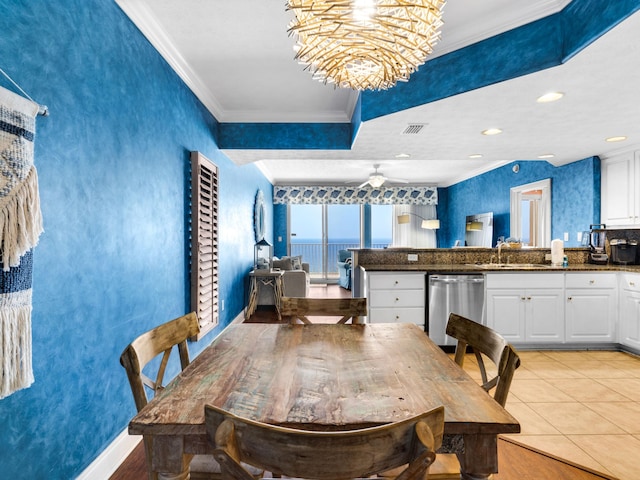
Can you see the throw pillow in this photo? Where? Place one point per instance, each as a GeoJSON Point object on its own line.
{"type": "Point", "coordinates": [283, 264]}
{"type": "Point", "coordinates": [296, 262]}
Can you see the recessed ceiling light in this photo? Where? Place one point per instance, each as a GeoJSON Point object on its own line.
{"type": "Point", "coordinates": [403, 155]}
{"type": "Point", "coordinates": [475, 155]}
{"type": "Point", "coordinates": [616, 139]}
{"type": "Point", "coordinates": [546, 155]}
{"type": "Point", "coordinates": [550, 97]}
{"type": "Point", "coordinates": [491, 131]}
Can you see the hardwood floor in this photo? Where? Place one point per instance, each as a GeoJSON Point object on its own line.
{"type": "Point", "coordinates": [517, 462]}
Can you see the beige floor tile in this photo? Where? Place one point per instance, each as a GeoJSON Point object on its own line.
{"type": "Point", "coordinates": [525, 373]}
{"type": "Point", "coordinates": [531, 355]}
{"type": "Point", "coordinates": [618, 452]}
{"type": "Point", "coordinates": [562, 447]}
{"type": "Point", "coordinates": [534, 390]}
{"type": "Point", "coordinates": [625, 415]}
{"type": "Point", "coordinates": [575, 419]}
{"type": "Point", "coordinates": [629, 387]}
{"type": "Point", "coordinates": [555, 370]}
{"type": "Point", "coordinates": [587, 390]}
{"type": "Point", "coordinates": [568, 356]}
{"type": "Point", "coordinates": [531, 423]}
{"type": "Point", "coordinates": [599, 369]}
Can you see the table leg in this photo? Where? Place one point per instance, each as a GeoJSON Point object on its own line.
{"type": "Point", "coordinates": [168, 457]}
{"type": "Point", "coordinates": [480, 457]}
{"type": "Point", "coordinates": [277, 293]}
{"type": "Point", "coordinates": [253, 298]}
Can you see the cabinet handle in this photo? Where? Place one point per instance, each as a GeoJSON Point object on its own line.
{"type": "Point", "coordinates": [397, 317]}
{"type": "Point", "coordinates": [528, 298]}
{"type": "Point", "coordinates": [592, 282]}
{"type": "Point", "coordinates": [522, 298]}
{"type": "Point", "coordinates": [632, 284]}
{"type": "Point", "coordinates": [569, 298]}
{"type": "Point", "coordinates": [396, 282]}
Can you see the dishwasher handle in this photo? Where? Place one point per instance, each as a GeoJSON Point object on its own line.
{"type": "Point", "coordinates": [468, 279]}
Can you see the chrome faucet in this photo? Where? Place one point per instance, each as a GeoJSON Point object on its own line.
{"type": "Point", "coordinates": [500, 252]}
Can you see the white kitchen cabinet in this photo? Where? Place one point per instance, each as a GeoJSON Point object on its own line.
{"type": "Point", "coordinates": [396, 297]}
{"type": "Point", "coordinates": [629, 318]}
{"type": "Point", "coordinates": [620, 189]}
{"type": "Point", "coordinates": [591, 307]}
{"type": "Point", "coordinates": [531, 313]}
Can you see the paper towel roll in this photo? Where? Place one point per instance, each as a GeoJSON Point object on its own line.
{"type": "Point", "coordinates": [557, 252]}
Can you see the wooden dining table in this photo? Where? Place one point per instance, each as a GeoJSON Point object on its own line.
{"type": "Point", "coordinates": [322, 377]}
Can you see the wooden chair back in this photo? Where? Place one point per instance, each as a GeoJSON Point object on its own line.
{"type": "Point", "coordinates": [324, 455]}
{"type": "Point", "coordinates": [139, 353]}
{"type": "Point", "coordinates": [485, 341]}
{"type": "Point", "coordinates": [301, 308]}
{"type": "Point", "coordinates": [149, 345]}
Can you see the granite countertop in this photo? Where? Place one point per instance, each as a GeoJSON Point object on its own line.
{"type": "Point", "coordinates": [474, 268]}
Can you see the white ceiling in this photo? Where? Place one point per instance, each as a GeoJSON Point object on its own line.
{"type": "Point", "coordinates": [237, 58]}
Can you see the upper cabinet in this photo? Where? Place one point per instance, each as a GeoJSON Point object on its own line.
{"type": "Point", "coordinates": [621, 190]}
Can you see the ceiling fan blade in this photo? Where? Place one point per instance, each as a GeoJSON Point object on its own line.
{"type": "Point", "coordinates": [363, 184]}
{"type": "Point", "coordinates": [398, 180]}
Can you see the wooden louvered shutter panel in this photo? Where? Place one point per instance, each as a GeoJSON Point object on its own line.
{"type": "Point", "coordinates": [204, 241]}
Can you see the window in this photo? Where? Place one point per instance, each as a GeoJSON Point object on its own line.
{"type": "Point", "coordinates": [204, 242]}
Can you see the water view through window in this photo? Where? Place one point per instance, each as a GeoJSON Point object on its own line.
{"type": "Point", "coordinates": [318, 232]}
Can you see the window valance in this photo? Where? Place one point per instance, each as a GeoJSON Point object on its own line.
{"type": "Point", "coordinates": [420, 195]}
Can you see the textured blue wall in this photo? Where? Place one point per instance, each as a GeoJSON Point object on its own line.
{"type": "Point", "coordinates": [113, 261]}
{"type": "Point", "coordinates": [575, 198]}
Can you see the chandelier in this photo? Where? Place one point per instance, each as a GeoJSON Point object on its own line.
{"type": "Point", "coordinates": [364, 44]}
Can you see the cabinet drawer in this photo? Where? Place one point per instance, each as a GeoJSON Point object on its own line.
{"type": "Point", "coordinates": [591, 280]}
{"type": "Point", "coordinates": [630, 281]}
{"type": "Point", "coordinates": [397, 298]}
{"type": "Point", "coordinates": [524, 280]}
{"type": "Point", "coordinates": [397, 315]}
{"type": "Point", "coordinates": [396, 281]}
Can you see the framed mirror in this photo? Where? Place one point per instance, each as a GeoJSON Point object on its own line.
{"type": "Point", "coordinates": [531, 213]}
{"type": "Point", "coordinates": [258, 216]}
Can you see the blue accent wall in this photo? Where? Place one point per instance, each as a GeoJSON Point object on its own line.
{"type": "Point", "coordinates": [575, 199]}
{"type": "Point", "coordinates": [113, 164]}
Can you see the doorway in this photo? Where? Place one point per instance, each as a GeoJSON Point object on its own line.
{"type": "Point", "coordinates": [317, 232]}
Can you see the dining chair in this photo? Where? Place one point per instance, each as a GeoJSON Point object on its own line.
{"type": "Point", "coordinates": [324, 455]}
{"type": "Point", "coordinates": [483, 342]}
{"type": "Point", "coordinates": [146, 347]}
{"type": "Point", "coordinates": [301, 308]}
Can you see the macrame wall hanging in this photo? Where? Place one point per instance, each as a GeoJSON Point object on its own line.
{"type": "Point", "coordinates": [20, 228]}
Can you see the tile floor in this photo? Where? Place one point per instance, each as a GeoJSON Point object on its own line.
{"type": "Point", "coordinates": [581, 406]}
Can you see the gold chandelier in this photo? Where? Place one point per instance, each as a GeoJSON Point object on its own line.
{"type": "Point", "coordinates": [364, 44]}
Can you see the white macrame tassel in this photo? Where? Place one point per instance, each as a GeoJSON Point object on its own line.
{"type": "Point", "coordinates": [20, 222]}
{"type": "Point", "coordinates": [16, 370]}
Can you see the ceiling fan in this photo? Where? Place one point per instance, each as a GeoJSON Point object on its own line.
{"type": "Point", "coordinates": [376, 178]}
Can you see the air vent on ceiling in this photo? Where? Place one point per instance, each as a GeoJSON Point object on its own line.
{"type": "Point", "coordinates": [413, 129]}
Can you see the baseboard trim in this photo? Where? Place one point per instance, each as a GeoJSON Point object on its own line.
{"type": "Point", "coordinates": [111, 457]}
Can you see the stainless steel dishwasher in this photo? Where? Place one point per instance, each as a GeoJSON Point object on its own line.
{"type": "Point", "coordinates": [458, 293]}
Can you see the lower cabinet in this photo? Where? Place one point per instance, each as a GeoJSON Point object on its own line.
{"type": "Point", "coordinates": [532, 313]}
{"type": "Point", "coordinates": [396, 297]}
{"type": "Point", "coordinates": [629, 320]}
{"type": "Point", "coordinates": [591, 307]}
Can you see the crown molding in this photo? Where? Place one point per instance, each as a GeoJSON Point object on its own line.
{"type": "Point", "coordinates": [149, 26]}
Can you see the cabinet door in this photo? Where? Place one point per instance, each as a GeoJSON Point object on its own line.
{"type": "Point", "coordinates": [544, 313]}
{"type": "Point", "coordinates": [630, 319]}
{"type": "Point", "coordinates": [591, 315]}
{"type": "Point", "coordinates": [618, 193]}
{"type": "Point", "coordinates": [505, 313]}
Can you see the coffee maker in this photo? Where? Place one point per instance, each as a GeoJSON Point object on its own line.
{"type": "Point", "coordinates": [597, 237]}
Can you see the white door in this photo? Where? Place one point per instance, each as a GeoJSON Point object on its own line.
{"type": "Point", "coordinates": [544, 315]}
{"type": "Point", "coordinates": [506, 313]}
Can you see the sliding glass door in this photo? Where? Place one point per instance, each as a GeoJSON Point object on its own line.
{"type": "Point", "coordinates": [317, 232]}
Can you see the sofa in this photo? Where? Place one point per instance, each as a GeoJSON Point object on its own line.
{"type": "Point", "coordinates": [344, 269]}
{"type": "Point", "coordinates": [295, 281]}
